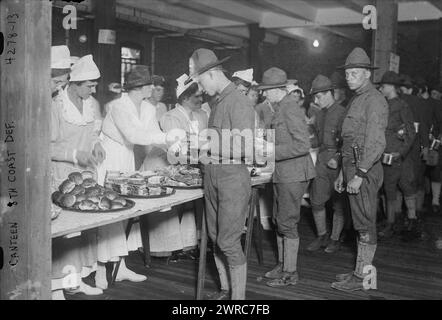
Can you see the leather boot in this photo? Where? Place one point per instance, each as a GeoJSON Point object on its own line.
{"type": "Point", "coordinates": [276, 272]}
{"type": "Point", "coordinates": [238, 275]}
{"type": "Point", "coordinates": [365, 257]}
{"type": "Point", "coordinates": [290, 275]}
{"type": "Point", "coordinates": [318, 243]}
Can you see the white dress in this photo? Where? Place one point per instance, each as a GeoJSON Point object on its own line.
{"type": "Point", "coordinates": [166, 232]}
{"type": "Point", "coordinates": [122, 128]}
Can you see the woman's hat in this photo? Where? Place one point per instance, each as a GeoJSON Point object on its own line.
{"type": "Point", "coordinates": [139, 76]}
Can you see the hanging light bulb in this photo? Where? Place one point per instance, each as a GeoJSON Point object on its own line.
{"type": "Point", "coordinates": [316, 43]}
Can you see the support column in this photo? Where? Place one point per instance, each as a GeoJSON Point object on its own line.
{"type": "Point", "coordinates": [25, 99]}
{"type": "Point", "coordinates": [257, 36]}
{"type": "Point", "coordinates": [440, 51]}
{"type": "Point", "coordinates": [107, 56]}
{"type": "Point", "coordinates": [385, 36]}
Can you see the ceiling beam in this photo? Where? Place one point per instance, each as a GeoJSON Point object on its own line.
{"type": "Point", "coordinates": [296, 8]}
{"type": "Point", "coordinates": [237, 8]}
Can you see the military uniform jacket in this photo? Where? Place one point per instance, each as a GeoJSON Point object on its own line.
{"type": "Point", "coordinates": [400, 133]}
{"type": "Point", "coordinates": [421, 115]}
{"type": "Point", "coordinates": [364, 126]}
{"type": "Point", "coordinates": [328, 126]}
{"type": "Point", "coordinates": [292, 144]}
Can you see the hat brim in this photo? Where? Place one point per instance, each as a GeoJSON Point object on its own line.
{"type": "Point", "coordinates": [272, 86]}
{"type": "Point", "coordinates": [389, 82]}
{"type": "Point", "coordinates": [313, 92]}
{"type": "Point", "coordinates": [207, 68]}
{"type": "Point", "coordinates": [137, 85]}
{"type": "Point", "coordinates": [357, 66]}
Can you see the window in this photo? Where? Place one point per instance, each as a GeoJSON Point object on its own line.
{"type": "Point", "coordinates": [129, 57]}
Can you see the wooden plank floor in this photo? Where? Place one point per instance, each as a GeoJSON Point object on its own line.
{"type": "Point", "coordinates": [405, 271]}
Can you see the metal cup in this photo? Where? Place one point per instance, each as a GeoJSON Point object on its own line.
{"type": "Point", "coordinates": [435, 144]}
{"type": "Point", "coordinates": [387, 159]}
{"type": "Point", "coordinates": [416, 126]}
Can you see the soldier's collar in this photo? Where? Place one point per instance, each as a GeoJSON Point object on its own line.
{"type": "Point", "coordinates": [367, 87]}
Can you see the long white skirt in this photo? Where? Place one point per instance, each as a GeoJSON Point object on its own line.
{"type": "Point", "coordinates": [166, 232]}
{"type": "Point", "coordinates": [112, 242]}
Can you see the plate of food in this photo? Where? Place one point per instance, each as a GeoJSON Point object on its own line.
{"type": "Point", "coordinates": [184, 177]}
{"type": "Point", "coordinates": [141, 187]}
{"type": "Point", "coordinates": [81, 193]}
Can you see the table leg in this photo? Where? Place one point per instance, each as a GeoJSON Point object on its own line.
{"type": "Point", "coordinates": [250, 220]}
{"type": "Point", "coordinates": [144, 227]}
{"type": "Point", "coordinates": [258, 230]}
{"type": "Point", "coordinates": [202, 258]}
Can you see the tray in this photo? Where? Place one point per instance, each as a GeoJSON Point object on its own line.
{"type": "Point", "coordinates": [149, 197]}
{"type": "Point", "coordinates": [129, 205]}
{"type": "Point", "coordinates": [186, 188]}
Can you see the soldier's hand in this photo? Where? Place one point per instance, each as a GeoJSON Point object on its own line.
{"type": "Point", "coordinates": [332, 164]}
{"type": "Point", "coordinates": [339, 183]}
{"type": "Point", "coordinates": [354, 185]}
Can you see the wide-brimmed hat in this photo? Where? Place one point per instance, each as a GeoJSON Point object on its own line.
{"type": "Point", "coordinates": [273, 78]}
{"type": "Point", "coordinates": [358, 58]}
{"type": "Point", "coordinates": [390, 77]}
{"type": "Point", "coordinates": [203, 60]}
{"type": "Point", "coordinates": [338, 80]}
{"type": "Point", "coordinates": [320, 84]}
{"type": "Point", "coordinates": [138, 76]}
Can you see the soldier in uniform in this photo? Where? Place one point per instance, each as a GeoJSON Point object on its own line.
{"type": "Point", "coordinates": [399, 154]}
{"type": "Point", "coordinates": [293, 170]}
{"type": "Point", "coordinates": [363, 135]}
{"type": "Point", "coordinates": [328, 126]}
{"type": "Point", "coordinates": [340, 88]}
{"type": "Point", "coordinates": [227, 184]}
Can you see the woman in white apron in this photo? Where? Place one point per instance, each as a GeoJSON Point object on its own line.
{"type": "Point", "coordinates": [130, 121]}
{"type": "Point", "coordinates": [75, 147]}
{"type": "Point", "coordinates": [167, 232]}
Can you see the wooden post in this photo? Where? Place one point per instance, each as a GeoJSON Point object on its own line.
{"type": "Point", "coordinates": [257, 35]}
{"type": "Point", "coordinates": [384, 36]}
{"type": "Point", "coordinates": [25, 99]}
{"type": "Point", "coordinates": [106, 56]}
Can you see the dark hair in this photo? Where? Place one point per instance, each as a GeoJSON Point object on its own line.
{"type": "Point", "coordinates": [158, 81]}
{"type": "Point", "coordinates": [188, 93]}
{"type": "Point", "coordinates": [237, 81]}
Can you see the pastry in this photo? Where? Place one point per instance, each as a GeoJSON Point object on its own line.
{"type": "Point", "coordinates": [116, 205]}
{"type": "Point", "coordinates": [87, 175]}
{"type": "Point", "coordinates": [92, 192]}
{"type": "Point", "coordinates": [156, 180]}
{"type": "Point", "coordinates": [67, 186]}
{"type": "Point", "coordinates": [111, 195]}
{"type": "Point", "coordinates": [68, 200]}
{"type": "Point", "coordinates": [94, 199]}
{"type": "Point", "coordinates": [105, 204]}
{"type": "Point", "coordinates": [77, 190]}
{"type": "Point", "coordinates": [120, 200]}
{"type": "Point", "coordinates": [154, 191]}
{"type": "Point", "coordinates": [76, 177]}
{"type": "Point", "coordinates": [81, 197]}
{"type": "Point", "coordinates": [56, 197]}
{"type": "Point", "coordinates": [87, 205]}
{"type": "Point", "coordinates": [88, 182]}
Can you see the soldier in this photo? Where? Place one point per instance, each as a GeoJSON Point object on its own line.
{"type": "Point", "coordinates": [399, 154]}
{"type": "Point", "coordinates": [340, 88]}
{"type": "Point", "coordinates": [328, 126]}
{"type": "Point", "coordinates": [227, 185]}
{"type": "Point", "coordinates": [293, 170]}
{"type": "Point", "coordinates": [363, 135]}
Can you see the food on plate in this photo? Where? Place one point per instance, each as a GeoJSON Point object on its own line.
{"type": "Point", "coordinates": [67, 186]}
{"type": "Point", "coordinates": [111, 195]}
{"type": "Point", "coordinates": [105, 204]}
{"type": "Point", "coordinates": [94, 199]}
{"type": "Point", "coordinates": [87, 175]}
{"type": "Point", "coordinates": [68, 200]}
{"type": "Point", "coordinates": [76, 177]}
{"type": "Point", "coordinates": [136, 181]}
{"type": "Point", "coordinates": [156, 180]}
{"type": "Point", "coordinates": [78, 190]}
{"type": "Point", "coordinates": [169, 190]}
{"type": "Point", "coordinates": [87, 205]}
{"type": "Point", "coordinates": [81, 197]}
{"type": "Point", "coordinates": [92, 192]}
{"type": "Point", "coordinates": [56, 197]}
{"type": "Point", "coordinates": [116, 205]}
{"type": "Point", "coordinates": [87, 183]}
{"type": "Point", "coordinates": [155, 191]}
{"type": "Point", "coordinates": [120, 200]}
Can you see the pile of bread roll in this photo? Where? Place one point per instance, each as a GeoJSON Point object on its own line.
{"type": "Point", "coordinates": [81, 191]}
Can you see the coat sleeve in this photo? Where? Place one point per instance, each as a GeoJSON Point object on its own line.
{"type": "Point", "coordinates": [299, 143]}
{"type": "Point", "coordinates": [58, 152]}
{"type": "Point", "coordinates": [410, 132]}
{"type": "Point", "coordinates": [374, 135]}
{"type": "Point", "coordinates": [133, 130]}
{"type": "Point", "coordinates": [169, 122]}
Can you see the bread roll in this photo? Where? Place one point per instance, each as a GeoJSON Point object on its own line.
{"type": "Point", "coordinates": [92, 192]}
{"type": "Point", "coordinates": [76, 177]}
{"type": "Point", "coordinates": [95, 199]}
{"type": "Point", "coordinates": [87, 205]}
{"type": "Point", "coordinates": [105, 204]}
{"type": "Point", "coordinates": [81, 197]}
{"type": "Point", "coordinates": [88, 183]}
{"type": "Point", "coordinates": [87, 175]}
{"type": "Point", "coordinates": [116, 205]}
{"type": "Point", "coordinates": [120, 200]}
{"type": "Point", "coordinates": [56, 197]}
{"type": "Point", "coordinates": [77, 190]}
{"type": "Point", "coordinates": [68, 200]}
{"type": "Point", "coordinates": [67, 186]}
{"type": "Point", "coordinates": [111, 195]}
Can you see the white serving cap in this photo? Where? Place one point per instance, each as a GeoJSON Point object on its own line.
{"type": "Point", "coordinates": [246, 75]}
{"type": "Point", "coordinates": [60, 57]}
{"type": "Point", "coordinates": [85, 69]}
{"type": "Point", "coordinates": [181, 84]}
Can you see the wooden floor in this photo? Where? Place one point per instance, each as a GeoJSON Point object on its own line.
{"type": "Point", "coordinates": [405, 271]}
